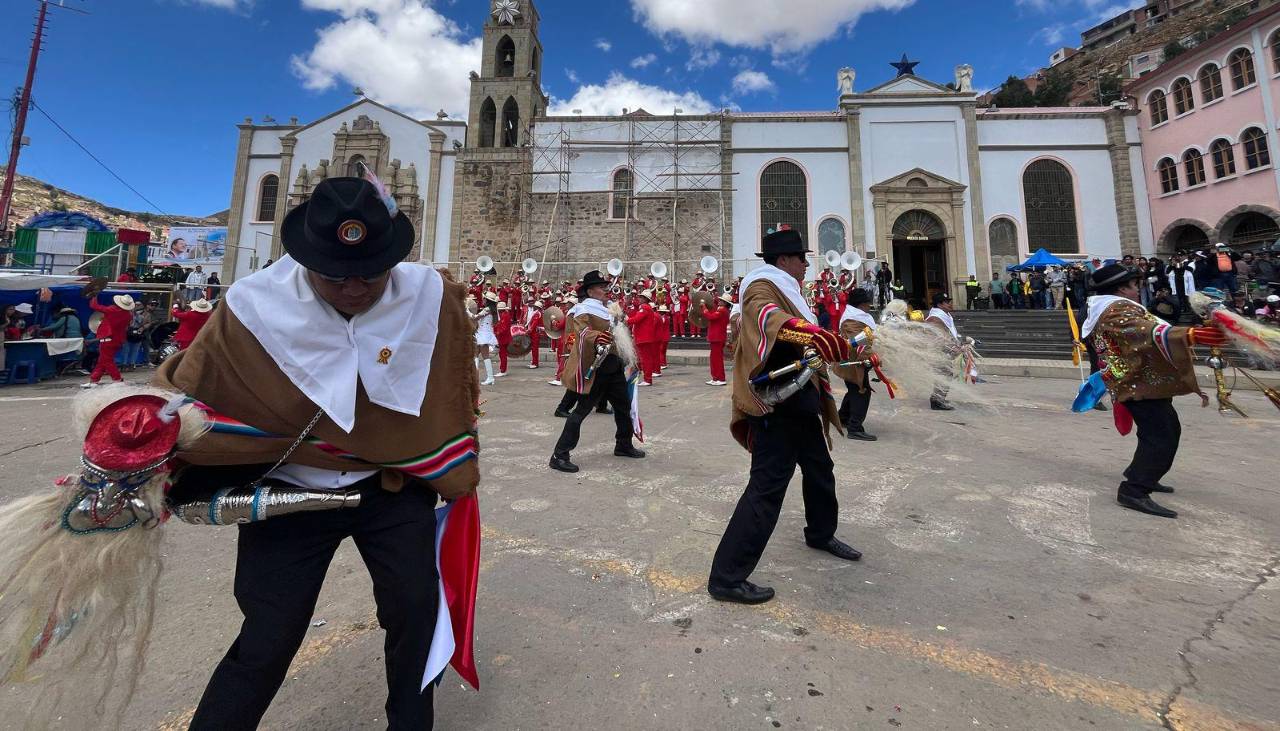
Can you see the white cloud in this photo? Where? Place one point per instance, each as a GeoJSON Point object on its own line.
{"type": "Point", "coordinates": [640, 62]}
{"type": "Point", "coordinates": [571, 75]}
{"type": "Point", "coordinates": [702, 57]}
{"type": "Point", "coordinates": [751, 82]}
{"type": "Point", "coordinates": [233, 5]}
{"type": "Point", "coordinates": [620, 92]}
{"type": "Point", "coordinates": [400, 52]}
{"type": "Point", "coordinates": [783, 27]}
{"type": "Point", "coordinates": [604, 45]}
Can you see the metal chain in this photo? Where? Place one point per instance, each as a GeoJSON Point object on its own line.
{"type": "Point", "coordinates": [296, 443]}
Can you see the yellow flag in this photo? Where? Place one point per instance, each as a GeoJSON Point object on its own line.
{"type": "Point", "coordinates": [1076, 346]}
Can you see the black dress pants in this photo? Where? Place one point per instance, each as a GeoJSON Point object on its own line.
{"type": "Point", "coordinates": [280, 567]}
{"type": "Point", "coordinates": [570, 398]}
{"type": "Point", "coordinates": [609, 385]}
{"type": "Point", "coordinates": [853, 409]}
{"type": "Point", "coordinates": [780, 444]}
{"type": "Point", "coordinates": [1158, 434]}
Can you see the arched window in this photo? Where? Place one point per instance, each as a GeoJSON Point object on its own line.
{"type": "Point", "coordinates": [1241, 65]}
{"type": "Point", "coordinates": [1210, 83]}
{"type": "Point", "coordinates": [488, 121]}
{"type": "Point", "coordinates": [535, 63]}
{"type": "Point", "coordinates": [623, 189]}
{"type": "Point", "coordinates": [1275, 51]}
{"type": "Point", "coordinates": [355, 166]}
{"type": "Point", "coordinates": [1049, 195]}
{"type": "Point", "coordinates": [1193, 164]}
{"type": "Point", "coordinates": [268, 189]}
{"type": "Point", "coordinates": [917, 183]}
{"type": "Point", "coordinates": [1168, 171]}
{"type": "Point", "coordinates": [784, 199]}
{"type": "Point", "coordinates": [1158, 108]}
{"type": "Point", "coordinates": [1183, 101]}
{"type": "Point", "coordinates": [504, 61]}
{"type": "Point", "coordinates": [1256, 154]}
{"type": "Point", "coordinates": [510, 123]}
{"type": "Point", "coordinates": [1251, 229]}
{"type": "Point", "coordinates": [1224, 159]}
{"type": "Point", "coordinates": [1002, 236]}
{"type": "Point", "coordinates": [831, 236]}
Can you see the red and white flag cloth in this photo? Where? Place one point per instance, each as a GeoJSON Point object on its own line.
{"type": "Point", "coordinates": [458, 566]}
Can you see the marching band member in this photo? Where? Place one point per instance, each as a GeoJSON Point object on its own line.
{"type": "Point", "coordinates": [289, 347]}
{"type": "Point", "coordinates": [790, 431]}
{"type": "Point", "coordinates": [502, 331]}
{"type": "Point", "coordinates": [717, 336]}
{"type": "Point", "coordinates": [596, 370]}
{"type": "Point", "coordinates": [644, 323]}
{"type": "Point", "coordinates": [664, 336]}
{"type": "Point", "coordinates": [853, 409]}
{"type": "Point", "coordinates": [1144, 363]}
{"type": "Point", "coordinates": [111, 336]}
{"type": "Point", "coordinates": [533, 324]}
{"type": "Point", "coordinates": [681, 311]}
{"type": "Point", "coordinates": [485, 337]}
{"type": "Point", "coordinates": [191, 322]}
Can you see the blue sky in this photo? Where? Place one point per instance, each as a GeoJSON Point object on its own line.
{"type": "Point", "coordinates": [155, 87]}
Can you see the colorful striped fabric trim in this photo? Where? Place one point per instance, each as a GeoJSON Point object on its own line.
{"type": "Point", "coordinates": [430, 466]}
{"type": "Point", "coordinates": [1160, 337]}
{"type": "Point", "coordinates": [760, 324]}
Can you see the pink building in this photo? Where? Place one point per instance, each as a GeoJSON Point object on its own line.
{"type": "Point", "coordinates": [1209, 135]}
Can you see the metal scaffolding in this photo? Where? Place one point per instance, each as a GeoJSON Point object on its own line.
{"type": "Point", "coordinates": [672, 160]}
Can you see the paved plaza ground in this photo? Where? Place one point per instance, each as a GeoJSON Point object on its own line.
{"type": "Point", "coordinates": [1002, 586]}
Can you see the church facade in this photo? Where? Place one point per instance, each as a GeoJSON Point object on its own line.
{"type": "Point", "coordinates": [908, 171]}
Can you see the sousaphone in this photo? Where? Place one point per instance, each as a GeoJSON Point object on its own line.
{"type": "Point", "coordinates": [553, 321]}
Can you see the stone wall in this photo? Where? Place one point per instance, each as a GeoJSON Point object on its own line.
{"type": "Point", "coordinates": [486, 208]}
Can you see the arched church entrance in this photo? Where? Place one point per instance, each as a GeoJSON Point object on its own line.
{"type": "Point", "coordinates": [920, 256]}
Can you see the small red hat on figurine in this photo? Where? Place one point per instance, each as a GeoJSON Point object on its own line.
{"type": "Point", "coordinates": [132, 433]}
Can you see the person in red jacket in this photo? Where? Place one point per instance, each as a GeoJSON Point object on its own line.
{"type": "Point", "coordinates": [191, 322]}
{"type": "Point", "coordinates": [717, 336]}
{"type": "Point", "coordinates": [681, 313]}
{"type": "Point", "coordinates": [644, 330]}
{"type": "Point", "coordinates": [533, 323]}
{"type": "Point", "coordinates": [664, 335]}
{"type": "Point", "coordinates": [111, 336]}
{"type": "Point", "coordinates": [502, 331]}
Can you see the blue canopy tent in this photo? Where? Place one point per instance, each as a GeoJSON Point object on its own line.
{"type": "Point", "coordinates": [1038, 260]}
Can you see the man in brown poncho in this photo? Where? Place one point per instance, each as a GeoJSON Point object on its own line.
{"type": "Point", "coordinates": [1145, 362]}
{"type": "Point", "coordinates": [342, 343]}
{"type": "Point", "coordinates": [781, 425]}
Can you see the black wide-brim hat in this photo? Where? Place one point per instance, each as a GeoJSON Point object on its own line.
{"type": "Point", "coordinates": [787, 241]}
{"type": "Point", "coordinates": [345, 230]}
{"type": "Point", "coordinates": [859, 296]}
{"type": "Point", "coordinates": [1111, 275]}
{"type": "Point", "coordinates": [589, 280]}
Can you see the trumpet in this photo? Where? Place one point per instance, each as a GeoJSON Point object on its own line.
{"type": "Point", "coordinates": [615, 290]}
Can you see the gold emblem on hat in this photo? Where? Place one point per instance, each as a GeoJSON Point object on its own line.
{"type": "Point", "coordinates": [384, 356]}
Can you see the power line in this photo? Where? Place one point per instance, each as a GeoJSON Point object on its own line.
{"type": "Point", "coordinates": [115, 175]}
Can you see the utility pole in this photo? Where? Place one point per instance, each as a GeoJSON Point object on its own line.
{"type": "Point", "coordinates": [24, 102]}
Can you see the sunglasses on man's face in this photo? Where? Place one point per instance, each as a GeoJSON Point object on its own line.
{"type": "Point", "coordinates": [374, 279]}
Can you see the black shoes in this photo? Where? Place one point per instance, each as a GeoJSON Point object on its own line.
{"type": "Point", "coordinates": [562, 414]}
{"type": "Point", "coordinates": [1100, 407]}
{"type": "Point", "coordinates": [1145, 505]}
{"type": "Point", "coordinates": [941, 406]}
{"type": "Point", "coordinates": [838, 548]}
{"type": "Point", "coordinates": [563, 465]}
{"type": "Point", "coordinates": [605, 410]}
{"type": "Point", "coordinates": [744, 593]}
{"type": "Point", "coordinates": [1162, 488]}
{"type": "Point", "coordinates": [628, 450]}
{"type": "Point", "coordinates": [860, 435]}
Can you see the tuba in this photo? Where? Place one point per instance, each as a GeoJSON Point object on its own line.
{"type": "Point", "coordinates": [709, 265]}
{"type": "Point", "coordinates": [658, 269]}
{"type": "Point", "coordinates": [614, 267]}
{"type": "Point", "coordinates": [484, 264]}
{"type": "Point", "coordinates": [529, 266]}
